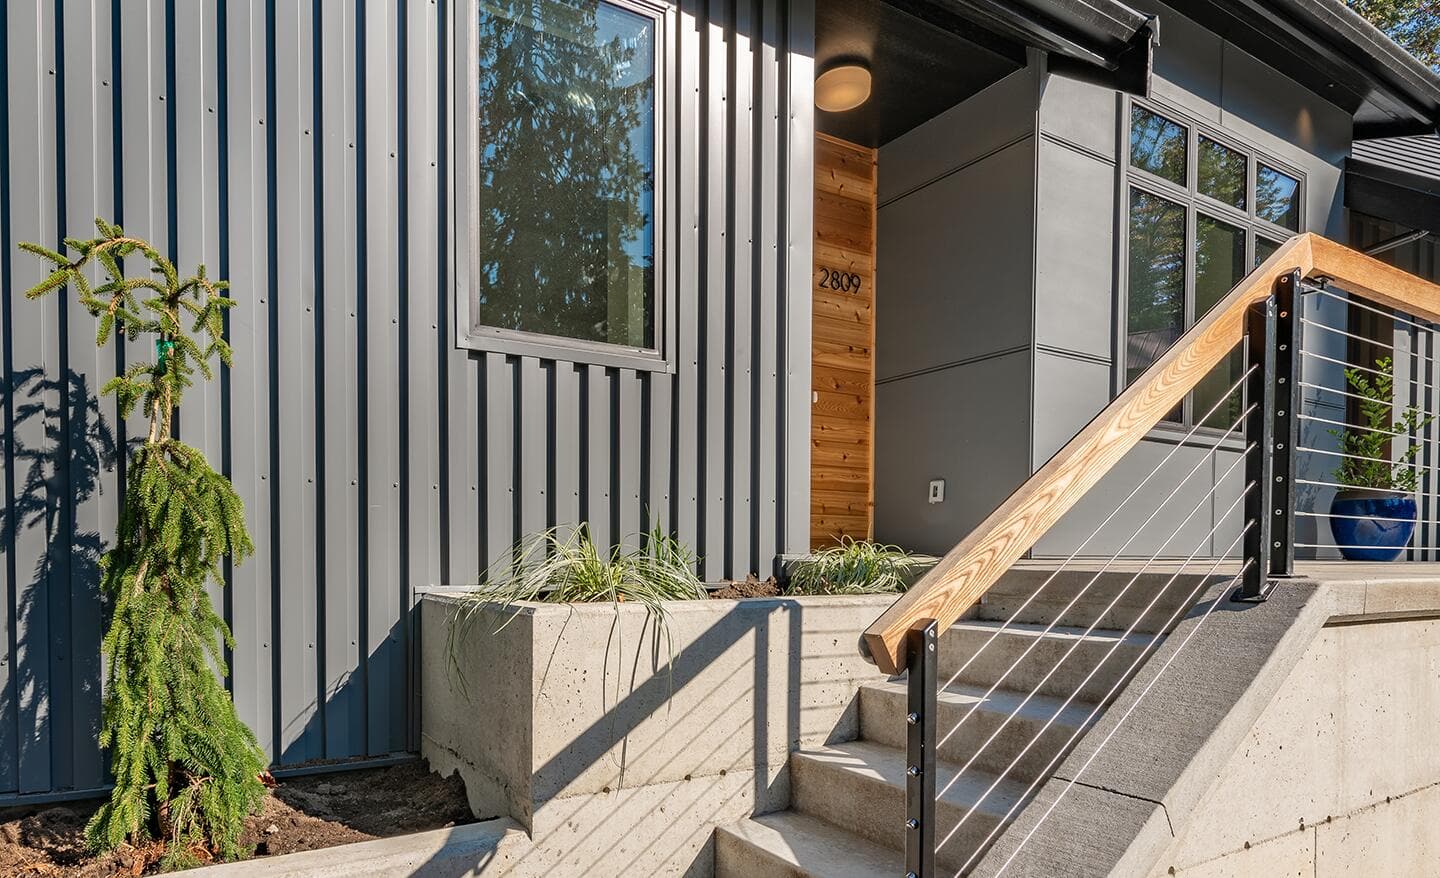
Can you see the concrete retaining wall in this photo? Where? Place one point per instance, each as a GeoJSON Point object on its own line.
{"type": "Point", "coordinates": [1341, 773]}
{"type": "Point", "coordinates": [621, 749]}
{"type": "Point", "coordinates": [1291, 737]}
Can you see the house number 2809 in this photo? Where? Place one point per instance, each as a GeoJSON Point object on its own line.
{"type": "Point", "coordinates": [844, 281]}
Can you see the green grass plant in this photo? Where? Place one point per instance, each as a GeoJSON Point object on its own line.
{"type": "Point", "coordinates": [855, 567]}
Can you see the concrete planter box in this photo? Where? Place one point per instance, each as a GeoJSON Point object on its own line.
{"type": "Point", "coordinates": [620, 750]}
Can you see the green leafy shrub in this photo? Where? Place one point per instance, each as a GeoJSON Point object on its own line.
{"type": "Point", "coordinates": [186, 768]}
{"type": "Point", "coordinates": [1369, 464]}
{"type": "Point", "coordinates": [854, 567]}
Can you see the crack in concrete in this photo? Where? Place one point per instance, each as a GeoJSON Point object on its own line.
{"type": "Point", "coordinates": [1103, 789]}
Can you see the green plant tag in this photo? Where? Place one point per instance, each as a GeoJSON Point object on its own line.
{"type": "Point", "coordinates": [163, 347]}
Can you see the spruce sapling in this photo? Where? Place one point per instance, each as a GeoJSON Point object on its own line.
{"type": "Point", "coordinates": [186, 768]}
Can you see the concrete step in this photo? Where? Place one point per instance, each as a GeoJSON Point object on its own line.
{"type": "Point", "coordinates": [993, 661]}
{"type": "Point", "coordinates": [860, 787]}
{"type": "Point", "coordinates": [882, 720]}
{"type": "Point", "coordinates": [794, 845]}
{"type": "Point", "coordinates": [1053, 591]}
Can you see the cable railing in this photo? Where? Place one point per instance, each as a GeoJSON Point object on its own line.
{"type": "Point", "coordinates": [1368, 434]}
{"type": "Point", "coordinates": [1312, 377]}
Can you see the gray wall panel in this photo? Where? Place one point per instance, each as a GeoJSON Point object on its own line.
{"type": "Point", "coordinates": [956, 424]}
{"type": "Point", "coordinates": [954, 264]}
{"type": "Point", "coordinates": [954, 311]}
{"type": "Point", "coordinates": [1075, 248]}
{"type": "Point", "coordinates": [1079, 113]}
{"type": "Point", "coordinates": [1182, 487]}
{"type": "Point", "coordinates": [976, 127]}
{"type": "Point", "coordinates": [1066, 387]}
{"type": "Point", "coordinates": [309, 153]}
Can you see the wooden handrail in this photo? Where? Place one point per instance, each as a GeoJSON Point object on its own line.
{"type": "Point", "coordinates": [980, 559]}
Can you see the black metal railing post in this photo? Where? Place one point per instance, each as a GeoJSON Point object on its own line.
{"type": "Point", "coordinates": [1272, 345]}
{"type": "Point", "coordinates": [920, 751]}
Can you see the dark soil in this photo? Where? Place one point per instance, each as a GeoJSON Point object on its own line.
{"type": "Point", "coordinates": [300, 814]}
{"type": "Point", "coordinates": [750, 588]}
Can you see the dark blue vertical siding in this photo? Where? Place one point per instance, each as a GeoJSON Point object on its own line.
{"type": "Point", "coordinates": [306, 151]}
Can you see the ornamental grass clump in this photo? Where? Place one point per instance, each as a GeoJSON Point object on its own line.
{"type": "Point", "coordinates": [568, 566]}
{"type": "Point", "coordinates": [187, 770]}
{"type": "Point", "coordinates": [854, 567]}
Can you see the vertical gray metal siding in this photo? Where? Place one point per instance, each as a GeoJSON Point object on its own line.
{"type": "Point", "coordinates": [309, 153]}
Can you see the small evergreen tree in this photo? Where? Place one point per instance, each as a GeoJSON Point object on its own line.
{"type": "Point", "coordinates": [186, 768]}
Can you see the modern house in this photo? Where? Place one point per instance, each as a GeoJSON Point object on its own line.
{"type": "Point", "coordinates": [760, 273]}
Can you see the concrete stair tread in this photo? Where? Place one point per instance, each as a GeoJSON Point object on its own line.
{"type": "Point", "coordinates": [988, 627]}
{"type": "Point", "coordinates": [887, 764]}
{"type": "Point", "coordinates": [794, 844]}
{"type": "Point", "coordinates": [1039, 708]}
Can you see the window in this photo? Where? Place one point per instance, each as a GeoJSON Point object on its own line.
{"type": "Point", "coordinates": [1157, 145]}
{"type": "Point", "coordinates": [566, 179]}
{"type": "Point", "coordinates": [1201, 211]}
{"type": "Point", "coordinates": [1277, 197]}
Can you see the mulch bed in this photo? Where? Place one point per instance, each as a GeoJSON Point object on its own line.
{"type": "Point", "coordinates": [300, 814]}
{"type": "Point", "coordinates": [752, 587]}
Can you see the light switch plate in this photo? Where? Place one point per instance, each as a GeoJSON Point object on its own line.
{"type": "Point", "coordinates": [937, 491]}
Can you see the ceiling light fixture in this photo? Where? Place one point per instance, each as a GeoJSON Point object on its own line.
{"type": "Point", "coordinates": [842, 88]}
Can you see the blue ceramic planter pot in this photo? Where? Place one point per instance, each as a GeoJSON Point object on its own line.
{"type": "Point", "coordinates": [1372, 525]}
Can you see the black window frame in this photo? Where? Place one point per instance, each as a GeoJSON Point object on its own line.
{"type": "Point", "coordinates": [482, 338]}
{"type": "Point", "coordinates": [1194, 203]}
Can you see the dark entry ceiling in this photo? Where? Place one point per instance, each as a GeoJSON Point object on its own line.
{"type": "Point", "coordinates": [922, 60]}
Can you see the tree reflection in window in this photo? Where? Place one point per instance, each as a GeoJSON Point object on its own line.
{"type": "Point", "coordinates": [1157, 145]}
{"type": "Point", "coordinates": [1156, 312]}
{"type": "Point", "coordinates": [1219, 266]}
{"type": "Point", "coordinates": [566, 143]}
{"type": "Point", "coordinates": [1222, 172]}
{"type": "Point", "coordinates": [1277, 197]}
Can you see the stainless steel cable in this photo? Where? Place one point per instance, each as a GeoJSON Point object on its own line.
{"type": "Point", "coordinates": [1088, 631]}
{"type": "Point", "coordinates": [1199, 464]}
{"type": "Point", "coordinates": [1341, 546]}
{"type": "Point", "coordinates": [1220, 522]}
{"type": "Point", "coordinates": [1199, 422]}
{"type": "Point", "coordinates": [1135, 663]}
{"type": "Point", "coordinates": [1344, 393]}
{"type": "Point", "coordinates": [1408, 382]}
{"type": "Point", "coordinates": [1406, 352]}
{"type": "Point", "coordinates": [1414, 466]}
{"type": "Point", "coordinates": [1318, 483]}
{"type": "Point", "coordinates": [1389, 315]}
{"type": "Point", "coordinates": [1411, 436]}
{"type": "Point", "coordinates": [1425, 521]}
{"type": "Point", "coordinates": [1129, 710]}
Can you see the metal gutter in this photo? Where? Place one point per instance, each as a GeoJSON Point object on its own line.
{"type": "Point", "coordinates": [1335, 53]}
{"type": "Point", "coordinates": [1100, 40]}
{"type": "Point", "coordinates": [1413, 82]}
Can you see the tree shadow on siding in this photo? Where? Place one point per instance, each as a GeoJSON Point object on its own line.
{"type": "Point", "coordinates": [58, 447]}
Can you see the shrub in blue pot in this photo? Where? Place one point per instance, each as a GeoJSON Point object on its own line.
{"type": "Point", "coordinates": [1370, 525]}
{"type": "Point", "coordinates": [1373, 517]}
